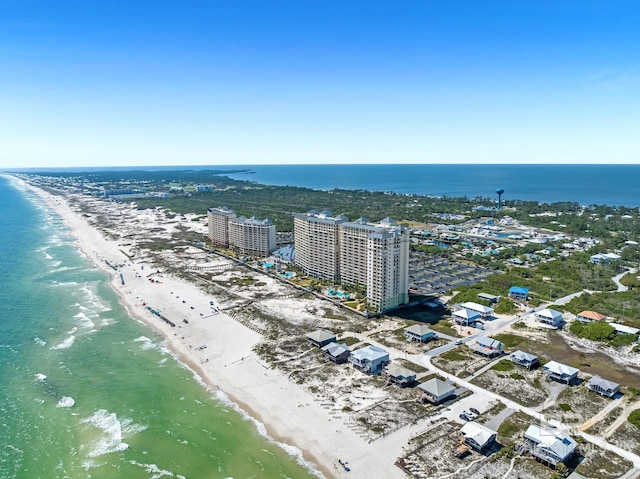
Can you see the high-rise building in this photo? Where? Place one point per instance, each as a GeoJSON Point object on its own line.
{"type": "Point", "coordinates": [252, 236]}
{"type": "Point", "coordinates": [316, 243]}
{"type": "Point", "coordinates": [375, 255]}
{"type": "Point", "coordinates": [218, 219]}
{"type": "Point", "coordinates": [249, 236]}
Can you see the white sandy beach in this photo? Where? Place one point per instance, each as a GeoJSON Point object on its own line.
{"type": "Point", "coordinates": [290, 414]}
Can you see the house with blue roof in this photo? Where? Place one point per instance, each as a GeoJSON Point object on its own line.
{"type": "Point", "coordinates": [518, 293]}
{"type": "Point", "coordinates": [549, 446]}
{"type": "Point", "coordinates": [488, 346]}
{"type": "Point", "coordinates": [370, 359]}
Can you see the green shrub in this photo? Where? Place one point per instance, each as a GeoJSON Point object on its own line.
{"type": "Point", "coordinates": [634, 418]}
{"type": "Point", "coordinates": [503, 365]}
{"type": "Point", "coordinates": [564, 407]}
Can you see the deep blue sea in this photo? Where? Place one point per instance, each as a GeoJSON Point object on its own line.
{"type": "Point", "coordinates": [87, 392]}
{"type": "Point", "coordinates": [586, 184]}
{"type": "Point", "coordinates": [615, 185]}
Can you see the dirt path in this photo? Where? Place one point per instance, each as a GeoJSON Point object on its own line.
{"type": "Point", "coordinates": [600, 415]}
{"type": "Point", "coordinates": [621, 419]}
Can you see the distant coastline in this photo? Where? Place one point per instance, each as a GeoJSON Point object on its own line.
{"type": "Point", "coordinates": [613, 185]}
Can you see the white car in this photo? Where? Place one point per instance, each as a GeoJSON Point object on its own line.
{"type": "Point", "coordinates": [470, 415]}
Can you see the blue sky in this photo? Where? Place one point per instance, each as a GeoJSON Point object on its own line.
{"type": "Point", "coordinates": [249, 82]}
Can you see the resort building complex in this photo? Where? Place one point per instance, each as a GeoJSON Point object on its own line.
{"type": "Point", "coordinates": [375, 255]}
{"type": "Point", "coordinates": [250, 236]}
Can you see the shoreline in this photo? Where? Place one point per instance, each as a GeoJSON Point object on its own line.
{"type": "Point", "coordinates": [290, 416]}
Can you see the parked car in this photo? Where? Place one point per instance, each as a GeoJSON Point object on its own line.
{"type": "Point", "coordinates": [471, 416]}
{"type": "Point", "coordinates": [464, 417]}
{"type": "Point", "coordinates": [474, 411]}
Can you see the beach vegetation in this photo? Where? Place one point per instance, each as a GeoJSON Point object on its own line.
{"type": "Point", "coordinates": [503, 365]}
{"type": "Point", "coordinates": [634, 418]}
{"type": "Point", "coordinates": [509, 340]}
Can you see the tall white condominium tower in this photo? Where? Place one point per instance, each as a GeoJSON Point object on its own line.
{"type": "Point", "coordinates": [375, 255]}
{"type": "Point", "coordinates": [316, 243]}
{"type": "Point", "coordinates": [252, 236]}
{"type": "Point", "coordinates": [218, 219]}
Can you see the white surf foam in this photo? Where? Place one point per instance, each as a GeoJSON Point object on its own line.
{"type": "Point", "coordinates": [40, 377]}
{"type": "Point", "coordinates": [155, 471]}
{"type": "Point", "coordinates": [84, 320]}
{"type": "Point", "coordinates": [262, 430]}
{"type": "Point", "coordinates": [66, 402]}
{"type": "Point", "coordinates": [66, 344]}
{"type": "Point", "coordinates": [39, 341]}
{"type": "Point", "coordinates": [146, 343]}
{"type": "Point", "coordinates": [111, 441]}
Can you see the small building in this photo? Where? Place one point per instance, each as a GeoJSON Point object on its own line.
{"type": "Point", "coordinates": [489, 297]}
{"type": "Point", "coordinates": [398, 375]}
{"type": "Point", "coordinates": [337, 353]}
{"type": "Point", "coordinates": [560, 372]}
{"type": "Point", "coordinates": [485, 312]}
{"type": "Point", "coordinates": [488, 346]}
{"type": "Point", "coordinates": [477, 436]}
{"type": "Point", "coordinates": [518, 293]}
{"type": "Point", "coordinates": [527, 360]}
{"type": "Point", "coordinates": [369, 359]}
{"type": "Point", "coordinates": [436, 390]}
{"type": "Point", "coordinates": [465, 317]}
{"type": "Point", "coordinates": [550, 317]}
{"type": "Point", "coordinates": [603, 387]}
{"type": "Point", "coordinates": [549, 446]}
{"type": "Point", "coordinates": [605, 258]}
{"type": "Point", "coordinates": [624, 329]}
{"type": "Point", "coordinates": [420, 332]}
{"type": "Point", "coordinates": [320, 338]}
{"type": "Point", "coordinates": [588, 316]}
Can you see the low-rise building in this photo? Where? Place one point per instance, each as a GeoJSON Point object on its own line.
{"type": "Point", "coordinates": [518, 293]}
{"type": "Point", "coordinates": [436, 391]}
{"type": "Point", "coordinates": [485, 312]}
{"type": "Point", "coordinates": [560, 372]}
{"type": "Point", "coordinates": [549, 445]}
{"type": "Point", "coordinates": [337, 353]}
{"type": "Point", "coordinates": [419, 332]}
{"type": "Point", "coordinates": [465, 317]}
{"type": "Point", "coordinates": [588, 316]}
{"type": "Point", "coordinates": [398, 375]}
{"type": "Point", "coordinates": [477, 436]}
{"type": "Point", "coordinates": [320, 338]}
{"type": "Point", "coordinates": [550, 317]}
{"type": "Point", "coordinates": [488, 346]}
{"type": "Point", "coordinates": [624, 329]}
{"type": "Point", "coordinates": [604, 258]}
{"type": "Point", "coordinates": [527, 360]}
{"type": "Point", "coordinates": [603, 387]}
{"type": "Point", "coordinates": [370, 359]}
{"type": "Point", "coordinates": [489, 297]}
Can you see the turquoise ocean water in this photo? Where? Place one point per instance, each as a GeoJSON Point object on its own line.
{"type": "Point", "coordinates": [64, 339]}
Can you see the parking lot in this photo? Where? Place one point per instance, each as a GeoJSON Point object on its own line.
{"type": "Point", "coordinates": [431, 274]}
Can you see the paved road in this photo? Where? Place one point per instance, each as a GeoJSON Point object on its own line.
{"type": "Point", "coordinates": [616, 280]}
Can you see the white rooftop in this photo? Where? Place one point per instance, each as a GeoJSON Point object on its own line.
{"type": "Point", "coordinates": [559, 368]}
{"type": "Point", "coordinates": [549, 313]}
{"type": "Point", "coordinates": [621, 328]}
{"type": "Point", "coordinates": [477, 432]}
{"type": "Point", "coordinates": [467, 314]}
{"type": "Point", "coordinates": [370, 353]}
{"type": "Point", "coordinates": [557, 442]}
{"type": "Point", "coordinates": [476, 307]}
